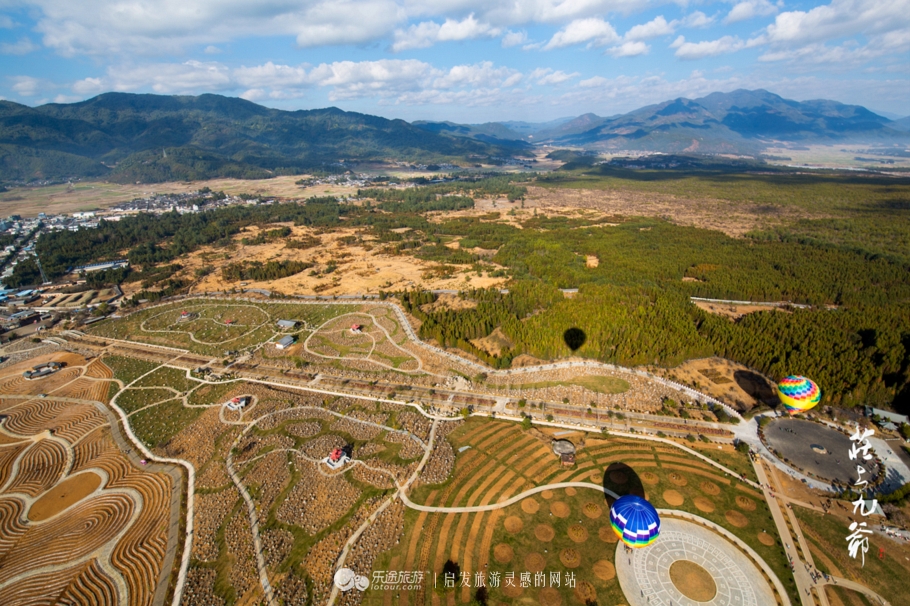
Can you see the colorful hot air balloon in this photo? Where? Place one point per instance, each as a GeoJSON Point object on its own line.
{"type": "Point", "coordinates": [798, 394]}
{"type": "Point", "coordinates": [635, 521]}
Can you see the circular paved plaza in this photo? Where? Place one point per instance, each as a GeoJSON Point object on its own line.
{"type": "Point", "coordinates": [818, 449]}
{"type": "Point", "coordinates": [646, 579]}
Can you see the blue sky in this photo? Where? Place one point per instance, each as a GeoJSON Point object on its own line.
{"type": "Point", "coordinates": [459, 60]}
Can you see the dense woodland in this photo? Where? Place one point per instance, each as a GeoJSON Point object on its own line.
{"type": "Point", "coordinates": [634, 307]}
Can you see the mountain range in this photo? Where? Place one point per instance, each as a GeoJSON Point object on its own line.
{"type": "Point", "coordinates": [742, 121]}
{"type": "Point", "coordinates": [152, 138]}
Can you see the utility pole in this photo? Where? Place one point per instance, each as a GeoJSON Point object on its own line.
{"type": "Point", "coordinates": [41, 269]}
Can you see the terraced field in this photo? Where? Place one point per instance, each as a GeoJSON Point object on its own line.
{"type": "Point", "coordinates": [562, 531]}
{"type": "Point", "coordinates": [83, 523]}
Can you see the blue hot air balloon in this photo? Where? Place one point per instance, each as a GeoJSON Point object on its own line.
{"type": "Point", "coordinates": [635, 521]}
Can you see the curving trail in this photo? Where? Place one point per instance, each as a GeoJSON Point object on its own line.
{"type": "Point", "coordinates": [193, 337]}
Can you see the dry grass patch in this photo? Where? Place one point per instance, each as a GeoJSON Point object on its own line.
{"type": "Point", "coordinates": [677, 480]}
{"type": "Point", "coordinates": [503, 553]}
{"type": "Point", "coordinates": [607, 535]}
{"type": "Point", "coordinates": [559, 509]}
{"type": "Point", "coordinates": [570, 558]}
{"type": "Point", "coordinates": [535, 562]}
{"type": "Point", "coordinates": [549, 596]}
{"type": "Point", "coordinates": [765, 539]}
{"type": "Point", "coordinates": [585, 592]}
{"type": "Point", "coordinates": [530, 506]}
{"type": "Point", "coordinates": [736, 519]}
{"type": "Point", "coordinates": [513, 524]}
{"type": "Point", "coordinates": [745, 503]}
{"type": "Point", "coordinates": [592, 510]}
{"type": "Point", "coordinates": [693, 581]}
{"type": "Point", "coordinates": [604, 570]}
{"type": "Point", "coordinates": [710, 488]}
{"type": "Point", "coordinates": [673, 498]}
{"type": "Point", "coordinates": [704, 504]}
{"type": "Point", "coordinates": [649, 478]}
{"type": "Point", "coordinates": [544, 532]}
{"type": "Point", "coordinates": [578, 533]}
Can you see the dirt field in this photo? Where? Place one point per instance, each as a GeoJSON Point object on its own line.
{"type": "Point", "coordinates": [359, 268]}
{"type": "Point", "coordinates": [726, 380]}
{"type": "Point", "coordinates": [706, 213]}
{"type": "Point", "coordinates": [734, 312]}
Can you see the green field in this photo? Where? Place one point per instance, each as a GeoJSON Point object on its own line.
{"type": "Point", "coordinates": [216, 326]}
{"type": "Point", "coordinates": [886, 576]}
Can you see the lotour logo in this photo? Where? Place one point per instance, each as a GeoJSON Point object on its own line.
{"type": "Point", "coordinates": [346, 579]}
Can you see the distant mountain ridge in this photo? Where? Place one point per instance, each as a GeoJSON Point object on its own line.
{"type": "Point", "coordinates": [741, 121]}
{"type": "Point", "coordinates": [152, 138]}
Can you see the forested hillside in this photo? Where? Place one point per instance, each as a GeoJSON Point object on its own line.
{"type": "Point", "coordinates": [152, 138]}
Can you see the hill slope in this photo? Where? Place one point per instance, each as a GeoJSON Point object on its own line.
{"type": "Point", "coordinates": [153, 138]}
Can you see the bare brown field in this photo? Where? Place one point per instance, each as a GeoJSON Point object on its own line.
{"type": "Point", "coordinates": [359, 268]}
{"type": "Point", "coordinates": [734, 312]}
{"type": "Point", "coordinates": [725, 380]}
{"type": "Point", "coordinates": [705, 213]}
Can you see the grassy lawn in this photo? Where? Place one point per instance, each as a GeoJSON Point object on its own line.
{"type": "Point", "coordinates": [596, 383]}
{"type": "Point", "coordinates": [128, 369]}
{"type": "Point", "coordinates": [156, 425]}
{"type": "Point", "coordinates": [735, 460]}
{"type": "Point", "coordinates": [887, 576]}
{"type": "Point", "coordinates": [134, 399]}
{"type": "Point", "coordinates": [168, 377]}
{"type": "Point", "coordinates": [249, 323]}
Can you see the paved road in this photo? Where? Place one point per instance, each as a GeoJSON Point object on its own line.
{"type": "Point", "coordinates": [857, 587]}
{"type": "Point", "coordinates": [803, 581]}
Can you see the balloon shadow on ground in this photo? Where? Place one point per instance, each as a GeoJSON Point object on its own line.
{"type": "Point", "coordinates": [757, 386]}
{"type": "Point", "coordinates": [623, 480]}
{"type": "Point", "coordinates": [574, 338]}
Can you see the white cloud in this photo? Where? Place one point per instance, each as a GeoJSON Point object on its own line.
{"type": "Point", "coordinates": [27, 86]}
{"type": "Point", "coordinates": [514, 38]}
{"type": "Point", "coordinates": [20, 47]}
{"type": "Point", "coordinates": [862, 30]}
{"type": "Point", "coordinates": [89, 86]}
{"type": "Point", "coordinates": [546, 76]}
{"type": "Point", "coordinates": [191, 77]}
{"type": "Point", "coordinates": [150, 27]}
{"type": "Point", "coordinates": [748, 9]}
{"type": "Point", "coordinates": [697, 19]}
{"type": "Point", "coordinates": [7, 23]}
{"type": "Point", "coordinates": [594, 31]}
{"type": "Point", "coordinates": [838, 19]}
{"type": "Point", "coordinates": [652, 29]}
{"type": "Point", "coordinates": [212, 50]}
{"type": "Point", "coordinates": [270, 75]}
{"type": "Point", "coordinates": [67, 98]}
{"type": "Point", "coordinates": [708, 48]}
{"type": "Point", "coordinates": [630, 49]}
{"type": "Point", "coordinates": [423, 35]}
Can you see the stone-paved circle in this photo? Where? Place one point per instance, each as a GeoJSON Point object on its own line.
{"type": "Point", "coordinates": [644, 574]}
